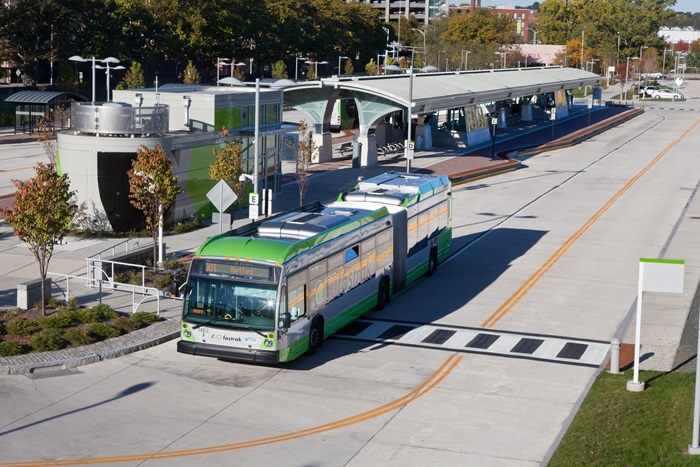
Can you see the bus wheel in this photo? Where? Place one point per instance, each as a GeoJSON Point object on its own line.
{"type": "Point", "coordinates": [382, 294]}
{"type": "Point", "coordinates": [315, 337]}
{"type": "Point", "coordinates": [432, 262]}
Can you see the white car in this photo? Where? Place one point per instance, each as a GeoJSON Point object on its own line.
{"type": "Point", "coordinates": [666, 94]}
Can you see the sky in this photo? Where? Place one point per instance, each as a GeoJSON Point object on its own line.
{"type": "Point", "coordinates": [681, 5]}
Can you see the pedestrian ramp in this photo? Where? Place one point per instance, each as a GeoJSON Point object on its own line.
{"type": "Point", "coordinates": [556, 349]}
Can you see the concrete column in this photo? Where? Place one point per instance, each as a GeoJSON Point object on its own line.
{"type": "Point", "coordinates": [526, 112]}
{"type": "Point", "coordinates": [368, 157]}
{"type": "Point", "coordinates": [324, 145]}
{"type": "Point", "coordinates": [424, 137]}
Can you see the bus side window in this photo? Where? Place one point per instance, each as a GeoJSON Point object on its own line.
{"type": "Point", "coordinates": [296, 304]}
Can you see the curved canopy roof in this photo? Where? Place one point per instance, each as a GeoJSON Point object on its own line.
{"type": "Point", "coordinates": [44, 97]}
{"type": "Point", "coordinates": [437, 91]}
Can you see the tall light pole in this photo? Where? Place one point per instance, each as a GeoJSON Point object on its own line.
{"type": "Point", "coordinates": [618, 48]}
{"type": "Point", "coordinates": [503, 54]}
{"type": "Point", "coordinates": [534, 40]}
{"type": "Point", "coordinates": [339, 61]}
{"type": "Point", "coordinates": [583, 34]}
{"type": "Point", "coordinates": [315, 63]}
{"type": "Point", "coordinates": [219, 62]}
{"type": "Point", "coordinates": [424, 52]}
{"type": "Point", "coordinates": [296, 67]}
{"type": "Point", "coordinates": [233, 65]}
{"type": "Point", "coordinates": [109, 60]}
{"type": "Point", "coordinates": [409, 151]}
{"type": "Point", "coordinates": [627, 74]}
{"type": "Point", "coordinates": [466, 59]}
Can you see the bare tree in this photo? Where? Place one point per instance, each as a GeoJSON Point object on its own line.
{"type": "Point", "coordinates": [303, 151]}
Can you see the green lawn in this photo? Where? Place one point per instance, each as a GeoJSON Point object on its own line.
{"type": "Point", "coordinates": [616, 427]}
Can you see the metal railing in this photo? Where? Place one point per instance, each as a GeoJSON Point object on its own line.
{"type": "Point", "coordinates": [147, 292]}
{"type": "Point", "coordinates": [119, 118]}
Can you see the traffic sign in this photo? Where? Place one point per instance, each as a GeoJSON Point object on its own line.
{"type": "Point", "coordinates": [221, 196]}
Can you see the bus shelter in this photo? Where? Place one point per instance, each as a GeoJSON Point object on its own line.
{"type": "Point", "coordinates": [31, 106]}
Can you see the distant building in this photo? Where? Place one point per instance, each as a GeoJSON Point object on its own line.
{"type": "Point", "coordinates": [675, 35]}
{"type": "Point", "coordinates": [521, 16]}
{"type": "Point", "coordinates": [425, 11]}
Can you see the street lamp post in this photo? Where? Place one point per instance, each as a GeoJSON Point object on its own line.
{"type": "Point", "coordinates": [583, 33]}
{"type": "Point", "coordinates": [219, 62]}
{"type": "Point", "coordinates": [534, 40]}
{"type": "Point", "coordinates": [424, 53]}
{"type": "Point", "coordinates": [409, 150]}
{"type": "Point", "coordinates": [503, 54]}
{"type": "Point", "coordinates": [315, 63]}
{"type": "Point", "coordinates": [618, 48]}
{"type": "Point", "coordinates": [466, 59]}
{"type": "Point", "coordinates": [296, 67]}
{"type": "Point", "coordinates": [109, 60]}
{"type": "Point", "coordinates": [233, 65]}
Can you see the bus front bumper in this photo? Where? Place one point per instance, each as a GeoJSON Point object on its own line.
{"type": "Point", "coordinates": [228, 353]}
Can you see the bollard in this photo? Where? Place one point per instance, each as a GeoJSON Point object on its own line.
{"type": "Point", "coordinates": [615, 356]}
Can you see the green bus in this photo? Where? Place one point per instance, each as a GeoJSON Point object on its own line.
{"type": "Point", "coordinates": [271, 291]}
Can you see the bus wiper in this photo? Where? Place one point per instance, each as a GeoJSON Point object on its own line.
{"type": "Point", "coordinates": [248, 328]}
{"type": "Point", "coordinates": [206, 323]}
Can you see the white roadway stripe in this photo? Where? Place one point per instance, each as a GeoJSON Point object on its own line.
{"type": "Point", "coordinates": [549, 349]}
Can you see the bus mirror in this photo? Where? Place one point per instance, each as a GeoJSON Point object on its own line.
{"type": "Point", "coordinates": [286, 320]}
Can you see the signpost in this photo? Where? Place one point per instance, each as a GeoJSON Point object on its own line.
{"type": "Point", "coordinates": [221, 196]}
{"type": "Point", "coordinates": [655, 275]}
{"type": "Point", "coordinates": [494, 124]}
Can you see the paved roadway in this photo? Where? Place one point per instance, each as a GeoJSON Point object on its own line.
{"type": "Point", "coordinates": [544, 256]}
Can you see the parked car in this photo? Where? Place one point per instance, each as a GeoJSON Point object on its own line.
{"type": "Point", "coordinates": [666, 94]}
{"type": "Point", "coordinates": [647, 91]}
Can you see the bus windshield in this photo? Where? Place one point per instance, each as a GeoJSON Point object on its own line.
{"type": "Point", "coordinates": [224, 300]}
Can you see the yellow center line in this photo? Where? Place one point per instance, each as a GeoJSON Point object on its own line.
{"type": "Point", "coordinates": [426, 386]}
{"type": "Point", "coordinates": [513, 300]}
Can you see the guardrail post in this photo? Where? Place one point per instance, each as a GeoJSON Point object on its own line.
{"type": "Point", "coordinates": [615, 356]}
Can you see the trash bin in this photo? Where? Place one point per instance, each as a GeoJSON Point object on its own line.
{"type": "Point", "coordinates": [356, 152]}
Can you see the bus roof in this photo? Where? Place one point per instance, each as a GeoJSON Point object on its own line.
{"type": "Point", "coordinates": [282, 237]}
{"type": "Point", "coordinates": [399, 189]}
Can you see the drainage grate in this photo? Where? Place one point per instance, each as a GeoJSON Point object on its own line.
{"type": "Point", "coordinates": [52, 372]}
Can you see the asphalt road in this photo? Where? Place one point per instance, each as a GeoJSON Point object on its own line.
{"type": "Point", "coordinates": [544, 253]}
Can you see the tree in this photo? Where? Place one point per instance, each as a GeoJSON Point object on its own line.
{"type": "Point", "coordinates": [349, 67]}
{"type": "Point", "coordinates": [229, 167]}
{"type": "Point", "coordinates": [134, 77]}
{"type": "Point", "coordinates": [279, 70]}
{"type": "Point", "coordinates": [480, 27]}
{"type": "Point", "coordinates": [41, 215]}
{"type": "Point", "coordinates": [152, 187]}
{"type": "Point", "coordinates": [371, 68]}
{"type": "Point", "coordinates": [303, 152]}
{"type": "Point", "coordinates": [191, 74]}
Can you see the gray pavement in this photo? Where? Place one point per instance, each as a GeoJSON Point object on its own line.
{"type": "Point", "coordinates": [70, 259]}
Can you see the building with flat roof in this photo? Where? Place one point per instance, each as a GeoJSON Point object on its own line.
{"type": "Point", "coordinates": [423, 10]}
{"type": "Point", "coordinates": [185, 120]}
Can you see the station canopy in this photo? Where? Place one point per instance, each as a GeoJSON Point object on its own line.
{"type": "Point", "coordinates": [432, 92]}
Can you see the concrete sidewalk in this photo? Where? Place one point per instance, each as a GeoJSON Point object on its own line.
{"type": "Point", "coordinates": [328, 179]}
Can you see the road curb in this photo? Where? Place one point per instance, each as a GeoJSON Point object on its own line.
{"type": "Point", "coordinates": [155, 334]}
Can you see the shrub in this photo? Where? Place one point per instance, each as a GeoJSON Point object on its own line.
{"type": "Point", "coordinates": [104, 312]}
{"type": "Point", "coordinates": [101, 331]}
{"type": "Point", "coordinates": [52, 302]}
{"type": "Point", "coordinates": [126, 324]}
{"type": "Point", "coordinates": [2, 329]}
{"type": "Point", "coordinates": [163, 282]}
{"type": "Point", "coordinates": [78, 337]}
{"type": "Point", "coordinates": [10, 348]}
{"type": "Point", "coordinates": [72, 303]}
{"type": "Point", "coordinates": [22, 327]}
{"type": "Point", "coordinates": [48, 339]}
{"type": "Point", "coordinates": [145, 317]}
{"type": "Point", "coordinates": [62, 320]}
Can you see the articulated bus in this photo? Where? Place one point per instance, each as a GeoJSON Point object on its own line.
{"type": "Point", "coordinates": [271, 291]}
